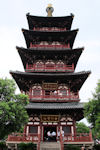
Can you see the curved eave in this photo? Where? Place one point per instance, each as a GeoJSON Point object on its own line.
{"type": "Point", "coordinates": [72, 105]}
{"type": "Point", "coordinates": [73, 80]}
{"type": "Point", "coordinates": [73, 108]}
{"type": "Point", "coordinates": [27, 55]}
{"type": "Point", "coordinates": [40, 21]}
{"type": "Point", "coordinates": [36, 36]}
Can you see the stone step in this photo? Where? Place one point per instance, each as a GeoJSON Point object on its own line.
{"type": "Point", "coordinates": [49, 146]}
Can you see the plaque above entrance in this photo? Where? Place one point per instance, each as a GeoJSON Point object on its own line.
{"type": "Point", "coordinates": [50, 86]}
{"type": "Point", "coordinates": [49, 118]}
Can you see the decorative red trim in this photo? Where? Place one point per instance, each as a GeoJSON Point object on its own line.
{"type": "Point", "coordinates": [54, 96]}
{"type": "Point", "coordinates": [49, 29]}
{"type": "Point", "coordinates": [54, 68]}
{"type": "Point", "coordinates": [79, 137]}
{"type": "Point", "coordinates": [49, 46]}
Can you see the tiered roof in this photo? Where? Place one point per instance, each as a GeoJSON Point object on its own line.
{"type": "Point", "coordinates": [73, 80]}
{"type": "Point", "coordinates": [28, 55]}
{"type": "Point", "coordinates": [39, 21]}
{"type": "Point", "coordinates": [74, 109]}
{"type": "Point", "coordinates": [60, 36]}
{"type": "Point", "coordinates": [70, 56]}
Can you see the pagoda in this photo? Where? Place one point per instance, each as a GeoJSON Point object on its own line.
{"type": "Point", "coordinates": [51, 83]}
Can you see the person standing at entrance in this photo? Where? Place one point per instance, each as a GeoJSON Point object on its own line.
{"type": "Point", "coordinates": [58, 135]}
{"type": "Point", "coordinates": [49, 135]}
{"type": "Point", "coordinates": [53, 136]}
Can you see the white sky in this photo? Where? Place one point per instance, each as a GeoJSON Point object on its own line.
{"type": "Point", "coordinates": [87, 19]}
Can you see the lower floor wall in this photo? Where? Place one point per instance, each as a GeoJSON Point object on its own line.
{"type": "Point", "coordinates": [50, 129]}
{"type": "Point", "coordinates": [50, 123]}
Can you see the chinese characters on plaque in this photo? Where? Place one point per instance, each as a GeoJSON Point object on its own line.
{"type": "Point", "coordinates": [49, 118]}
{"type": "Point", "coordinates": [50, 86]}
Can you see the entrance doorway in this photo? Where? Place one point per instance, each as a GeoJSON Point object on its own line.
{"type": "Point", "coordinates": [50, 133]}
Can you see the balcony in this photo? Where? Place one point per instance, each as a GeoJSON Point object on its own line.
{"type": "Point", "coordinates": [22, 137]}
{"type": "Point", "coordinates": [50, 96]}
{"type": "Point", "coordinates": [54, 46]}
{"type": "Point", "coordinates": [69, 138]}
{"type": "Point", "coordinates": [79, 137]}
{"type": "Point", "coordinates": [49, 29]}
{"type": "Point", "coordinates": [49, 68]}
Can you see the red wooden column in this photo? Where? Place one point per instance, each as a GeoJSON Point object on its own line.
{"type": "Point", "coordinates": [39, 138]}
{"type": "Point", "coordinates": [61, 139]}
{"type": "Point", "coordinates": [74, 127]}
{"type": "Point", "coordinates": [42, 94]}
{"type": "Point", "coordinates": [73, 67]}
{"type": "Point", "coordinates": [24, 135]}
{"type": "Point", "coordinates": [90, 135]}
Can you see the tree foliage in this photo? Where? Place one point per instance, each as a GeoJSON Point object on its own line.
{"type": "Point", "coordinates": [82, 128]}
{"type": "Point", "coordinates": [13, 115]}
{"type": "Point", "coordinates": [71, 147]}
{"type": "Point", "coordinates": [92, 111]}
{"type": "Point", "coordinates": [27, 146]}
{"type": "Point", "coordinates": [7, 89]}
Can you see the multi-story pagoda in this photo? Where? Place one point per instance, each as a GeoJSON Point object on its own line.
{"type": "Point", "coordinates": [51, 82]}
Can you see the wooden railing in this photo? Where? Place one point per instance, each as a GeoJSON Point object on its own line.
{"type": "Point", "coordinates": [48, 68]}
{"type": "Point", "coordinates": [32, 45]}
{"type": "Point", "coordinates": [53, 96]}
{"type": "Point", "coordinates": [49, 29]}
{"type": "Point", "coordinates": [21, 137]}
{"type": "Point", "coordinates": [79, 137]}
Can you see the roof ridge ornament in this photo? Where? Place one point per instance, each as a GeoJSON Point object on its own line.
{"type": "Point", "coordinates": [49, 10]}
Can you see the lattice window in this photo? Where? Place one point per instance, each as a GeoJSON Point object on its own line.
{"type": "Point", "coordinates": [33, 129]}
{"type": "Point", "coordinates": [50, 64]}
{"type": "Point", "coordinates": [60, 64]}
{"type": "Point", "coordinates": [63, 91]}
{"type": "Point", "coordinates": [39, 65]}
{"type": "Point", "coordinates": [67, 129]}
{"type": "Point", "coordinates": [36, 90]}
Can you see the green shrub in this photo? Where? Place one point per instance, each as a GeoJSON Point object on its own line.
{"type": "Point", "coordinates": [96, 147]}
{"type": "Point", "coordinates": [71, 147]}
{"type": "Point", "coordinates": [3, 146]}
{"type": "Point", "coordinates": [26, 146]}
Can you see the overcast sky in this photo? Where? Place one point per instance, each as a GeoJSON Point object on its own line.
{"type": "Point", "coordinates": [87, 19]}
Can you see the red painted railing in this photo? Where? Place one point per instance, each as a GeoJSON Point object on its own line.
{"type": "Point", "coordinates": [49, 46]}
{"type": "Point", "coordinates": [48, 68]}
{"type": "Point", "coordinates": [81, 137]}
{"type": "Point", "coordinates": [49, 29]}
{"type": "Point", "coordinates": [21, 137]}
{"type": "Point", "coordinates": [53, 95]}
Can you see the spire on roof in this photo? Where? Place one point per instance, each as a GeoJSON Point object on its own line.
{"type": "Point", "coordinates": [49, 10]}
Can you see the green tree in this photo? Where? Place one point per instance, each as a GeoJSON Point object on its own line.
{"type": "Point", "coordinates": [81, 128]}
{"type": "Point", "coordinates": [92, 111]}
{"type": "Point", "coordinates": [13, 115]}
{"type": "Point", "coordinates": [7, 89]}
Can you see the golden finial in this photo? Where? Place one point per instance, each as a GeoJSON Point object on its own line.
{"type": "Point", "coordinates": [49, 5]}
{"type": "Point", "coordinates": [49, 10]}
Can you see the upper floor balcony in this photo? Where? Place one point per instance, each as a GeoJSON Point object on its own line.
{"type": "Point", "coordinates": [48, 29]}
{"type": "Point", "coordinates": [54, 45]}
{"type": "Point", "coordinates": [38, 94]}
{"type": "Point", "coordinates": [49, 67]}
